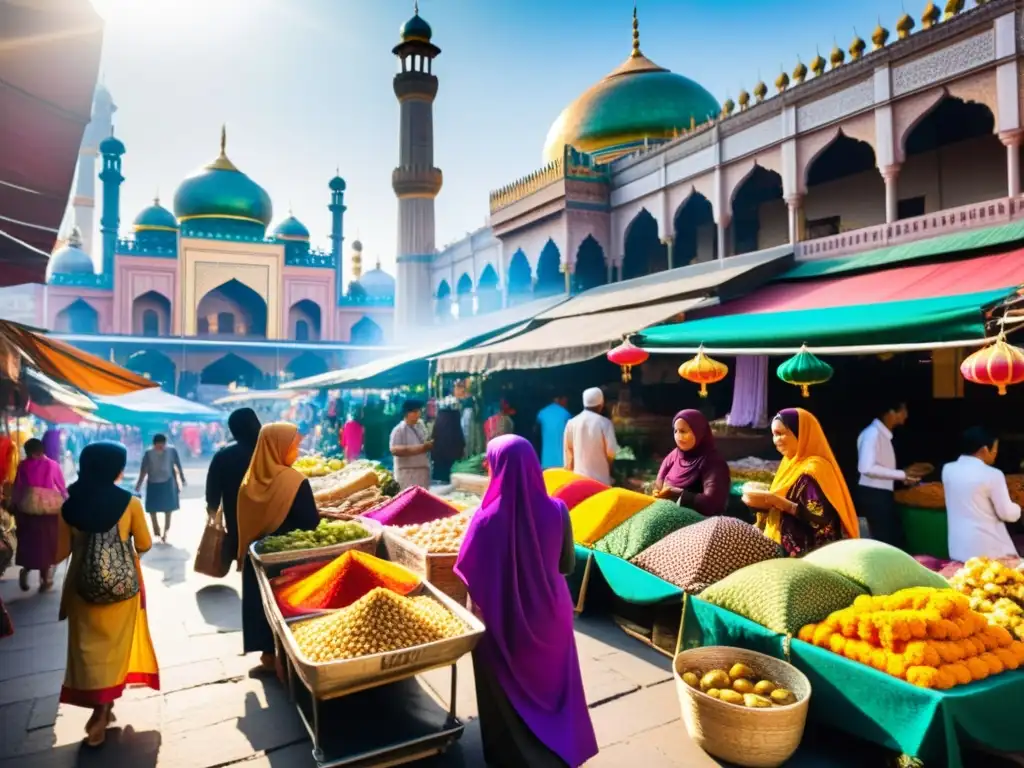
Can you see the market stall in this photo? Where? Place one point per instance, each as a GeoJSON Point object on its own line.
{"type": "Point", "coordinates": [154, 406]}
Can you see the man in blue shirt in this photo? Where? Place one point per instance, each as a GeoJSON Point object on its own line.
{"type": "Point", "coordinates": [551, 421]}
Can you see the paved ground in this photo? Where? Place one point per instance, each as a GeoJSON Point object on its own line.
{"type": "Point", "coordinates": [210, 712]}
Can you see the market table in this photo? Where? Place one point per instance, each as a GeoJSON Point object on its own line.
{"type": "Point", "coordinates": [934, 726]}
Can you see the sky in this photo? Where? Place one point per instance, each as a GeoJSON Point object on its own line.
{"type": "Point", "coordinates": [304, 87]}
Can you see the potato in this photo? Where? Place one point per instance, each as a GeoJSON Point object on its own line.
{"type": "Point", "coordinates": [713, 692]}
{"type": "Point", "coordinates": [716, 678]}
{"type": "Point", "coordinates": [782, 697]}
{"type": "Point", "coordinates": [742, 670]}
{"type": "Point", "coordinates": [764, 687]}
{"type": "Point", "coordinates": [742, 685]}
{"type": "Point", "coordinates": [754, 701]}
{"type": "Point", "coordinates": [731, 697]}
{"type": "Point", "coordinates": [691, 679]}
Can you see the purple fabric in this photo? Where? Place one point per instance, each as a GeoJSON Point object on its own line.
{"type": "Point", "coordinates": [41, 472]}
{"type": "Point", "coordinates": [509, 562]}
{"type": "Point", "coordinates": [37, 541]}
{"type": "Point", "coordinates": [750, 393]}
{"type": "Point", "coordinates": [51, 444]}
{"type": "Point", "coordinates": [790, 417]}
{"type": "Point", "coordinates": [701, 470]}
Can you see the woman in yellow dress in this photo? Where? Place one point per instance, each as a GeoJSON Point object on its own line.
{"type": "Point", "coordinates": [109, 646]}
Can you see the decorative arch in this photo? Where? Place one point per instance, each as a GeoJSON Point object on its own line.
{"type": "Point", "coordinates": [443, 290]}
{"type": "Point", "coordinates": [78, 317]}
{"type": "Point", "coordinates": [464, 286]}
{"type": "Point", "coordinates": [366, 333]}
{"type": "Point", "coordinates": [591, 268]}
{"type": "Point", "coordinates": [304, 321]}
{"type": "Point", "coordinates": [695, 231]}
{"type": "Point", "coordinates": [645, 254]}
{"type": "Point", "coordinates": [443, 302]}
{"type": "Point", "coordinates": [751, 204]}
{"type": "Point", "coordinates": [305, 365]}
{"type": "Point", "coordinates": [949, 120]}
{"type": "Point", "coordinates": [151, 314]}
{"type": "Point", "coordinates": [155, 366]}
{"type": "Point", "coordinates": [232, 304]}
{"type": "Point", "coordinates": [520, 276]}
{"type": "Point", "coordinates": [488, 279]}
{"type": "Point", "coordinates": [549, 273]}
{"type": "Point", "coordinates": [488, 295]}
{"type": "Point", "coordinates": [233, 369]}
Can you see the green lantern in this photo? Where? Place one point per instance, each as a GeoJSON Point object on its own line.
{"type": "Point", "coordinates": [804, 370]}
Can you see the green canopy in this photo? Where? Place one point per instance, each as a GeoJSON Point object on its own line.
{"type": "Point", "coordinates": [916, 321]}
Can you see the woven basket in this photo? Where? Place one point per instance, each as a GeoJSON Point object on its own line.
{"type": "Point", "coordinates": [754, 738]}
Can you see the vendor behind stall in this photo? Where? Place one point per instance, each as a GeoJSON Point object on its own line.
{"type": "Point", "coordinates": [590, 444]}
{"type": "Point", "coordinates": [978, 503]}
{"type": "Point", "coordinates": [411, 448]}
{"type": "Point", "coordinates": [876, 463]}
{"type": "Point", "coordinates": [694, 474]}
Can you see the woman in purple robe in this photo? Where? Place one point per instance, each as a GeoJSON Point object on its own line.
{"type": "Point", "coordinates": [36, 497]}
{"type": "Point", "coordinates": [533, 710]}
{"type": "Point", "coordinates": [694, 474]}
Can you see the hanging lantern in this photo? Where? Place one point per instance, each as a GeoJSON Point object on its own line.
{"type": "Point", "coordinates": [998, 365]}
{"type": "Point", "coordinates": [627, 355]}
{"type": "Point", "coordinates": [804, 370]}
{"type": "Point", "coordinates": [703, 370]}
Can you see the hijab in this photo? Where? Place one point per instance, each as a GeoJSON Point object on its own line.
{"type": "Point", "coordinates": [269, 487]}
{"type": "Point", "coordinates": [509, 563]}
{"type": "Point", "coordinates": [814, 458]}
{"type": "Point", "coordinates": [245, 426]}
{"type": "Point", "coordinates": [95, 502]}
{"type": "Point", "coordinates": [51, 444]}
{"type": "Point", "coordinates": [682, 469]}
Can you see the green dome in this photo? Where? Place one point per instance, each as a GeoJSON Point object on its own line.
{"type": "Point", "coordinates": [416, 28]}
{"type": "Point", "coordinates": [220, 191]}
{"type": "Point", "coordinates": [155, 217]}
{"type": "Point", "coordinates": [291, 229]}
{"type": "Point", "coordinates": [111, 146]}
{"type": "Point", "coordinates": [337, 184]}
{"type": "Point", "coordinates": [637, 101]}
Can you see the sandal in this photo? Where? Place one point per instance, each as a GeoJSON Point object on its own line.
{"type": "Point", "coordinates": [23, 580]}
{"type": "Point", "coordinates": [98, 733]}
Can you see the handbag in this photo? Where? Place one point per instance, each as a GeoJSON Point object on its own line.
{"type": "Point", "coordinates": [107, 572]}
{"type": "Point", "coordinates": [39, 501]}
{"type": "Point", "coordinates": [209, 557]}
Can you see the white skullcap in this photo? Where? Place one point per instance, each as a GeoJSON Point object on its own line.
{"type": "Point", "coordinates": [593, 397]}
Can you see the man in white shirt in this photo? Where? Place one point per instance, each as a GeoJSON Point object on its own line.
{"type": "Point", "coordinates": [876, 462]}
{"type": "Point", "coordinates": [590, 444]}
{"type": "Point", "coordinates": [978, 504]}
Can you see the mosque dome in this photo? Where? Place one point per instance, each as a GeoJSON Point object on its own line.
{"type": "Point", "coordinates": [416, 28]}
{"type": "Point", "coordinates": [357, 246]}
{"type": "Point", "coordinates": [337, 184]}
{"type": "Point", "coordinates": [291, 229]}
{"type": "Point", "coordinates": [377, 284]}
{"type": "Point", "coordinates": [155, 217]}
{"type": "Point", "coordinates": [70, 259]}
{"type": "Point", "coordinates": [219, 190]}
{"type": "Point", "coordinates": [638, 100]}
{"type": "Point", "coordinates": [112, 146]}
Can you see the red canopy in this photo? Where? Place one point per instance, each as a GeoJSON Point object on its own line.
{"type": "Point", "coordinates": [49, 62]}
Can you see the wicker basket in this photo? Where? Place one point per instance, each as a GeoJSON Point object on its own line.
{"type": "Point", "coordinates": [755, 738]}
{"type": "Point", "coordinates": [296, 556]}
{"type": "Point", "coordinates": [438, 569]}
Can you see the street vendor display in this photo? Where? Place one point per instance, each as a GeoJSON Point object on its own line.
{"type": "Point", "coordinates": [442, 536]}
{"type": "Point", "coordinates": [995, 590]}
{"type": "Point", "coordinates": [646, 528]}
{"type": "Point", "coordinates": [598, 515]}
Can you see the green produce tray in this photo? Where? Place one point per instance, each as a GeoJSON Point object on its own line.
{"type": "Point", "coordinates": [926, 531]}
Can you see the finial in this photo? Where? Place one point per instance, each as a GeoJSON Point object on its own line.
{"type": "Point", "coordinates": [636, 34]}
{"type": "Point", "coordinates": [800, 71]}
{"type": "Point", "coordinates": [905, 25]}
{"type": "Point", "coordinates": [818, 64]}
{"type": "Point", "coordinates": [857, 46]}
{"type": "Point", "coordinates": [156, 197]}
{"type": "Point", "coordinates": [930, 16]}
{"type": "Point", "coordinates": [880, 35]}
{"type": "Point", "coordinates": [223, 138]}
{"type": "Point", "coordinates": [416, 7]}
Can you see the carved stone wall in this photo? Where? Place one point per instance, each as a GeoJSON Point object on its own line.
{"type": "Point", "coordinates": [836, 105]}
{"type": "Point", "coordinates": [944, 63]}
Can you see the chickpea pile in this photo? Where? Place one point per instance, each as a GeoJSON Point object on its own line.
{"type": "Point", "coordinates": [380, 621]}
{"type": "Point", "coordinates": [442, 536]}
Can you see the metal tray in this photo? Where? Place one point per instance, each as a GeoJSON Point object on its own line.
{"type": "Point", "coordinates": [297, 556]}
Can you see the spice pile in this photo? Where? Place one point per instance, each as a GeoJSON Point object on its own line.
{"type": "Point", "coordinates": [379, 622]}
{"type": "Point", "coordinates": [443, 536]}
{"type": "Point", "coordinates": [995, 590]}
{"type": "Point", "coordinates": [327, 534]}
{"type": "Point", "coordinates": [930, 638]}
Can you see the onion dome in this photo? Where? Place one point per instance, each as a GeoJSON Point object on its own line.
{"type": "Point", "coordinates": [818, 65]}
{"type": "Point", "coordinates": [930, 16]}
{"type": "Point", "coordinates": [70, 259]}
{"type": "Point", "coordinates": [637, 101]}
{"type": "Point", "coordinates": [291, 229]}
{"type": "Point", "coordinates": [857, 47]}
{"type": "Point", "coordinates": [880, 36]}
{"type": "Point", "coordinates": [337, 184]}
{"type": "Point", "coordinates": [357, 246]}
{"type": "Point", "coordinates": [728, 107]}
{"type": "Point", "coordinates": [799, 72]}
{"type": "Point", "coordinates": [378, 284]}
{"type": "Point", "coordinates": [953, 7]}
{"type": "Point", "coordinates": [156, 218]}
{"type": "Point", "coordinates": [904, 26]}
{"type": "Point", "coordinates": [782, 81]}
{"type": "Point", "coordinates": [112, 146]}
{"type": "Point", "coordinates": [760, 91]}
{"type": "Point", "coordinates": [219, 190]}
{"type": "Point", "coordinates": [837, 57]}
{"type": "Point", "coordinates": [744, 99]}
{"type": "Point", "coordinates": [416, 28]}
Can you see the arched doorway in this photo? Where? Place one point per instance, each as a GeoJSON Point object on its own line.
{"type": "Point", "coordinates": [695, 233]}
{"type": "Point", "coordinates": [760, 218]}
{"type": "Point", "coordinates": [844, 189]}
{"type": "Point", "coordinates": [155, 366]}
{"type": "Point", "coordinates": [366, 333]}
{"type": "Point", "coordinates": [464, 294]}
{"type": "Point", "coordinates": [232, 309]}
{"type": "Point", "coordinates": [443, 302]}
{"type": "Point", "coordinates": [304, 321]}
{"type": "Point", "coordinates": [953, 136]}
{"type": "Point", "coordinates": [151, 315]}
{"type": "Point", "coordinates": [488, 295]}
{"type": "Point", "coordinates": [305, 365]}
{"type": "Point", "coordinates": [520, 278]}
{"type": "Point", "coordinates": [549, 275]}
{"type": "Point", "coordinates": [645, 253]}
{"type": "Point", "coordinates": [591, 270]}
{"type": "Point", "coordinates": [78, 317]}
{"type": "Point", "coordinates": [232, 369]}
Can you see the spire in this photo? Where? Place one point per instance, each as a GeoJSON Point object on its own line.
{"type": "Point", "coordinates": [416, 7]}
{"type": "Point", "coordinates": [636, 34]}
{"type": "Point", "coordinates": [222, 163]}
{"type": "Point", "coordinates": [223, 139]}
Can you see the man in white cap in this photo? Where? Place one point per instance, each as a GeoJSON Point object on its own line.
{"type": "Point", "coordinates": [590, 444]}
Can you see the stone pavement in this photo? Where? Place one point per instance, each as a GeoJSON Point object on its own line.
{"type": "Point", "coordinates": [211, 712]}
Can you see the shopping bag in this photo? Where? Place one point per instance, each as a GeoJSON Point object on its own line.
{"type": "Point", "coordinates": [209, 558]}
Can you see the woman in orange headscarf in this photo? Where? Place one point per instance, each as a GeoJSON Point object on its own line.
{"type": "Point", "coordinates": [809, 504]}
{"type": "Point", "coordinates": [273, 499]}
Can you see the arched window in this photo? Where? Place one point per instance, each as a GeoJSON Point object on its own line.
{"type": "Point", "coordinates": [226, 322]}
{"type": "Point", "coordinates": [301, 330]}
{"type": "Point", "coordinates": [150, 323]}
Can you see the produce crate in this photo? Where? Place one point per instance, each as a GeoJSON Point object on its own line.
{"type": "Point", "coordinates": [472, 483]}
{"type": "Point", "coordinates": [437, 569]}
{"type": "Point", "coordinates": [293, 557]}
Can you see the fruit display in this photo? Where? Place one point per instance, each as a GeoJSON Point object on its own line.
{"type": "Point", "coordinates": [443, 536]}
{"type": "Point", "coordinates": [929, 637]}
{"type": "Point", "coordinates": [995, 590]}
{"type": "Point", "coordinates": [316, 465]}
{"type": "Point", "coordinates": [740, 685]}
{"type": "Point", "coordinates": [356, 504]}
{"type": "Point", "coordinates": [379, 622]}
{"type": "Point", "coordinates": [326, 534]}
{"type": "Point", "coordinates": [338, 486]}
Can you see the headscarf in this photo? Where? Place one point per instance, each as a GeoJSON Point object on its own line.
{"type": "Point", "coordinates": [509, 563]}
{"type": "Point", "coordinates": [681, 469]}
{"type": "Point", "coordinates": [51, 444]}
{"type": "Point", "coordinates": [813, 457]}
{"type": "Point", "coordinates": [245, 426]}
{"type": "Point", "coordinates": [269, 487]}
{"type": "Point", "coordinates": [95, 502]}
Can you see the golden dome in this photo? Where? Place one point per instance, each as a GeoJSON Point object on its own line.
{"type": "Point", "coordinates": [782, 81]}
{"type": "Point", "coordinates": [799, 72]}
{"type": "Point", "coordinates": [930, 16]}
{"type": "Point", "coordinates": [728, 107]}
{"type": "Point", "coordinates": [904, 26]}
{"type": "Point", "coordinates": [818, 65]}
{"type": "Point", "coordinates": [744, 99]}
{"type": "Point", "coordinates": [880, 36]}
{"type": "Point", "coordinates": [857, 47]}
{"type": "Point", "coordinates": [760, 91]}
{"type": "Point", "coordinates": [953, 7]}
{"type": "Point", "coordinates": [837, 57]}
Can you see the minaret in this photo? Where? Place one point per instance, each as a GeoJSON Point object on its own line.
{"type": "Point", "coordinates": [112, 149]}
{"type": "Point", "coordinates": [84, 201]}
{"type": "Point", "coordinates": [337, 209]}
{"type": "Point", "coordinates": [416, 181]}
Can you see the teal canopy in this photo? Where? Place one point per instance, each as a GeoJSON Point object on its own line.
{"type": "Point", "coordinates": [149, 406]}
{"type": "Point", "coordinates": [917, 321]}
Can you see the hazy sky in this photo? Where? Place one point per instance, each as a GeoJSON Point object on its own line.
{"type": "Point", "coordinates": [305, 86]}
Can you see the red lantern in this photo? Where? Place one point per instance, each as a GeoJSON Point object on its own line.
{"type": "Point", "coordinates": [703, 370]}
{"type": "Point", "coordinates": [998, 365]}
{"type": "Point", "coordinates": [627, 355]}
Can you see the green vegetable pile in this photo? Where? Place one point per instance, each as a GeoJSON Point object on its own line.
{"type": "Point", "coordinates": [328, 533]}
{"type": "Point", "coordinates": [474, 465]}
